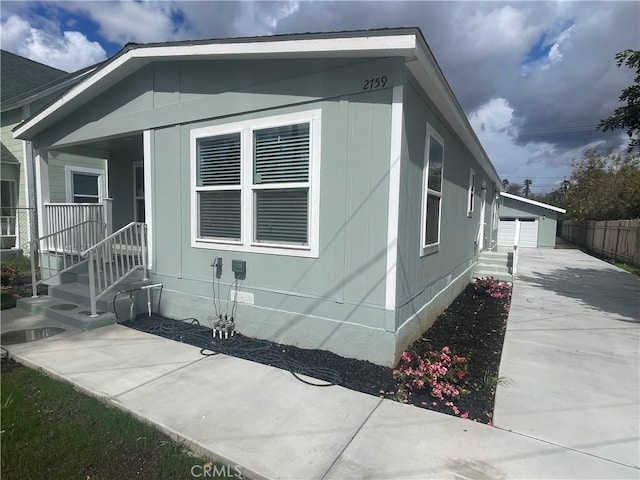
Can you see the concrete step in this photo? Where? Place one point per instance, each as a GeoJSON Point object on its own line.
{"type": "Point", "coordinates": [503, 277]}
{"type": "Point", "coordinates": [495, 261]}
{"type": "Point", "coordinates": [75, 297]}
{"type": "Point", "coordinates": [77, 316]}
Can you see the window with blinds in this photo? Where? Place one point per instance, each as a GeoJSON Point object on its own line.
{"type": "Point", "coordinates": [218, 187]}
{"type": "Point", "coordinates": [254, 185]}
{"type": "Point", "coordinates": [281, 184]}
{"type": "Point", "coordinates": [432, 191]}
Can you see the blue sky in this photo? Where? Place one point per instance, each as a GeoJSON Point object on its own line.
{"type": "Point", "coordinates": [533, 77]}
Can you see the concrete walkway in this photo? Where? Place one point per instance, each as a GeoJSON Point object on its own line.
{"type": "Point", "coordinates": [571, 361]}
{"type": "Point", "coordinates": [270, 425]}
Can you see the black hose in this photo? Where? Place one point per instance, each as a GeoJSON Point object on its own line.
{"type": "Point", "coordinates": [260, 351]}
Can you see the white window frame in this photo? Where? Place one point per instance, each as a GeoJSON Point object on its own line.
{"type": "Point", "coordinates": [471, 199]}
{"type": "Point", "coordinates": [426, 191]}
{"type": "Point", "coordinates": [247, 188]}
{"type": "Point", "coordinates": [136, 197]}
{"type": "Point", "coordinates": [69, 170]}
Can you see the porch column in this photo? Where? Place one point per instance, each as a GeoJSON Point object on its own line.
{"type": "Point", "coordinates": [42, 190]}
{"type": "Point", "coordinates": [107, 203]}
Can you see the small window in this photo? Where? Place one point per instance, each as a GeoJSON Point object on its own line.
{"type": "Point", "coordinates": [471, 202]}
{"type": "Point", "coordinates": [8, 204]}
{"type": "Point", "coordinates": [432, 191]}
{"type": "Point", "coordinates": [85, 188]}
{"type": "Point", "coordinates": [84, 185]}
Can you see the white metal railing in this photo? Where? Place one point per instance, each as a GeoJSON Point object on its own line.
{"type": "Point", "coordinates": [59, 251]}
{"type": "Point", "coordinates": [114, 257]}
{"type": "Point", "coordinates": [61, 216]}
{"type": "Point", "coordinates": [516, 240]}
{"type": "Point", "coordinates": [64, 215]}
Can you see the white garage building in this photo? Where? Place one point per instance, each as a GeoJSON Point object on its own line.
{"type": "Point", "coordinates": [533, 222]}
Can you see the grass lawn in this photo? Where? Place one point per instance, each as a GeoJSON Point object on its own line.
{"type": "Point", "coordinates": [50, 430]}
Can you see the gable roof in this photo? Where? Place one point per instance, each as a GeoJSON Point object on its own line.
{"type": "Point", "coordinates": [19, 75]}
{"type": "Point", "coordinates": [533, 202]}
{"type": "Point", "coordinates": [401, 42]}
{"type": "Point", "coordinates": [14, 95]}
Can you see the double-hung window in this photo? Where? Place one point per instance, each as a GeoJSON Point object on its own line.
{"type": "Point", "coordinates": [84, 185]}
{"type": "Point", "coordinates": [255, 185]}
{"type": "Point", "coordinates": [431, 192]}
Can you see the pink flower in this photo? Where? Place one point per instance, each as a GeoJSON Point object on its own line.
{"type": "Point", "coordinates": [465, 415]}
{"type": "Point", "coordinates": [406, 356]}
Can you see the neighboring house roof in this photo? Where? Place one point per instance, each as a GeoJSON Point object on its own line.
{"type": "Point", "coordinates": [24, 81]}
{"type": "Point", "coordinates": [19, 75]}
{"type": "Point", "coordinates": [402, 42]}
{"type": "Point", "coordinates": [533, 202]}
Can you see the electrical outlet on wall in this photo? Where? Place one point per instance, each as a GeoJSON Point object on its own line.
{"type": "Point", "coordinates": [242, 297]}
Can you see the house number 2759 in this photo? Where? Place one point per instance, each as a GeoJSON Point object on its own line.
{"type": "Point", "coordinates": [373, 83]}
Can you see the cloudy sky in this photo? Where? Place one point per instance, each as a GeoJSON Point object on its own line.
{"type": "Point", "coordinates": [533, 77]}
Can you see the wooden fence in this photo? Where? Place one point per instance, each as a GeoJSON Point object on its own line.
{"type": "Point", "coordinates": [615, 239]}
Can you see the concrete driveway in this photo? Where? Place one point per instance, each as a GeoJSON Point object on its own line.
{"type": "Point", "coordinates": [571, 353]}
{"type": "Point", "coordinates": [571, 362]}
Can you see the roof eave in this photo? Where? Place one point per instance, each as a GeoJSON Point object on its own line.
{"type": "Point", "coordinates": [533, 202]}
{"type": "Point", "coordinates": [133, 57]}
{"type": "Point", "coordinates": [40, 92]}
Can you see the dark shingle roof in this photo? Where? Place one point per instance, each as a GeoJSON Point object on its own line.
{"type": "Point", "coordinates": [19, 75]}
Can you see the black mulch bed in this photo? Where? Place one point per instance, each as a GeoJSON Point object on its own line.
{"type": "Point", "coordinates": [473, 327]}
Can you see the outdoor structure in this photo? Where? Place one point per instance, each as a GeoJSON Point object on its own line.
{"type": "Point", "coordinates": [533, 223]}
{"type": "Point", "coordinates": [332, 179]}
{"type": "Point", "coordinates": [28, 86]}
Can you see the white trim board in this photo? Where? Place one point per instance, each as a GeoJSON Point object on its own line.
{"type": "Point", "coordinates": [395, 164]}
{"type": "Point", "coordinates": [148, 193]}
{"type": "Point", "coordinates": [533, 202]}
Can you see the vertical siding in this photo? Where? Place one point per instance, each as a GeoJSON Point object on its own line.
{"type": "Point", "coordinates": [121, 184]}
{"type": "Point", "coordinates": [57, 163]}
{"type": "Point", "coordinates": [367, 177]}
{"type": "Point", "coordinates": [350, 270]}
{"type": "Point", "coordinates": [421, 278]}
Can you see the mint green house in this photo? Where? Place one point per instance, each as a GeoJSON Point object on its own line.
{"type": "Point", "coordinates": [338, 166]}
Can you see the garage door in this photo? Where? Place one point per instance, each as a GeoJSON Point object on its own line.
{"type": "Point", "coordinates": [528, 232]}
{"type": "Point", "coordinates": [506, 232]}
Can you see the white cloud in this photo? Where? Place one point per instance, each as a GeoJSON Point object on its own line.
{"type": "Point", "coordinates": [495, 116]}
{"type": "Point", "coordinates": [496, 126]}
{"type": "Point", "coordinates": [69, 51]}
{"type": "Point", "coordinates": [125, 21]}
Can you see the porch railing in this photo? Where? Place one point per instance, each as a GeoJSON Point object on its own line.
{"type": "Point", "coordinates": [64, 215]}
{"type": "Point", "coordinates": [17, 227]}
{"type": "Point", "coordinates": [114, 257]}
{"type": "Point", "coordinates": [59, 251]}
{"type": "Point", "coordinates": [8, 225]}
